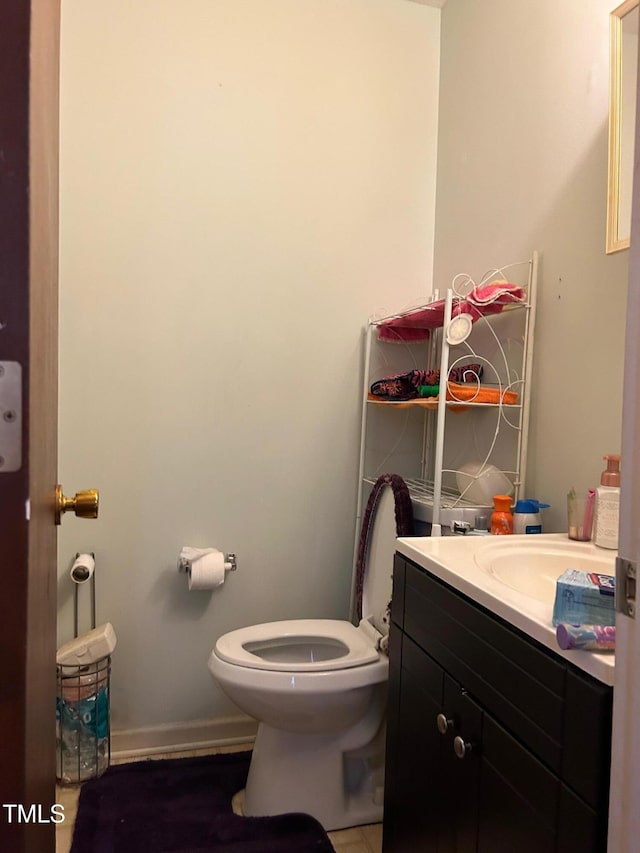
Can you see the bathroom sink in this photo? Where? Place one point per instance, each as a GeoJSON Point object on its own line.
{"type": "Point", "coordinates": [514, 577]}
{"type": "Point", "coordinates": [532, 566]}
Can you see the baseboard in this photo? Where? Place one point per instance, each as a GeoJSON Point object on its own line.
{"type": "Point", "coordinates": [177, 737]}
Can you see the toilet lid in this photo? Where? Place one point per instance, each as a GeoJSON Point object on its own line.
{"type": "Point", "coordinates": [378, 576]}
{"type": "Point", "coordinates": [307, 645]}
{"type": "Point", "coordinates": [297, 645]}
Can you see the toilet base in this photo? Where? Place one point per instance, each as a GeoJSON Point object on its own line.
{"type": "Point", "coordinates": [338, 779]}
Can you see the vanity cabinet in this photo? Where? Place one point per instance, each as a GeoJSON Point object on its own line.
{"type": "Point", "coordinates": [494, 744]}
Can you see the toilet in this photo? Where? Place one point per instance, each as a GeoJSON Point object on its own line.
{"type": "Point", "coordinates": [318, 690]}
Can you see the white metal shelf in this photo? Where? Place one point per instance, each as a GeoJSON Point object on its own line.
{"type": "Point", "coordinates": [450, 404]}
{"type": "Point", "coordinates": [452, 506]}
{"type": "Point", "coordinates": [507, 365]}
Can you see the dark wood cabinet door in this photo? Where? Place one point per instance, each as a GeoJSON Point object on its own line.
{"type": "Point", "coordinates": [413, 787]}
{"type": "Point", "coordinates": [458, 822]}
{"type": "Point", "coordinates": [518, 801]}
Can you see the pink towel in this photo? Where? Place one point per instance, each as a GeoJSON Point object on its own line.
{"type": "Point", "coordinates": [415, 325]}
{"type": "Point", "coordinates": [497, 292]}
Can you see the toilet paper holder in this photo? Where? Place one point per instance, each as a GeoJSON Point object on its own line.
{"type": "Point", "coordinates": [230, 564]}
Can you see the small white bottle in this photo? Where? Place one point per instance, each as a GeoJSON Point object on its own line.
{"type": "Point", "coordinates": [607, 515]}
{"type": "Point", "coordinates": [526, 516]}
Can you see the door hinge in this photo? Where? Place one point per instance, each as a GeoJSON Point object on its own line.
{"type": "Point", "coordinates": [10, 416]}
{"type": "Point", "coordinates": [626, 573]}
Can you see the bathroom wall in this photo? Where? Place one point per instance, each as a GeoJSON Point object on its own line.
{"type": "Point", "coordinates": [522, 165]}
{"type": "Point", "coordinates": [243, 182]}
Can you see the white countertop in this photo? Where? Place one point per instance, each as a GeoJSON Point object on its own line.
{"type": "Point", "coordinates": [457, 560]}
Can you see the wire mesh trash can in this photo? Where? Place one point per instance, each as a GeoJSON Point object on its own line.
{"type": "Point", "coordinates": [83, 733]}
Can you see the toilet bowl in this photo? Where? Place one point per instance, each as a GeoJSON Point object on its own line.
{"type": "Point", "coordinates": [318, 690]}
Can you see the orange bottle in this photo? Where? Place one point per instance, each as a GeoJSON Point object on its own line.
{"type": "Point", "coordinates": [501, 518]}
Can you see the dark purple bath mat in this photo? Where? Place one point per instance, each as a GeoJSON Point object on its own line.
{"type": "Point", "coordinates": [183, 805]}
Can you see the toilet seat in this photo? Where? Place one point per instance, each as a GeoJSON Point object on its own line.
{"type": "Point", "coordinates": [325, 645]}
{"type": "Point", "coordinates": [381, 533]}
{"type": "Point", "coordinates": [298, 645]}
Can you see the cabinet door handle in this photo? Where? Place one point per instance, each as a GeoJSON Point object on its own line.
{"type": "Point", "coordinates": [444, 725]}
{"type": "Point", "coordinates": [461, 747]}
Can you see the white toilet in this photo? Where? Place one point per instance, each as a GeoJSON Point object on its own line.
{"type": "Point", "coordinates": [318, 690]}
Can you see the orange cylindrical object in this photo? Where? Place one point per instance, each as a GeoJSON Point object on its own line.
{"type": "Point", "coordinates": [501, 518]}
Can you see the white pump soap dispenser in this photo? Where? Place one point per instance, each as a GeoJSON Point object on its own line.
{"type": "Point", "coordinates": [607, 514]}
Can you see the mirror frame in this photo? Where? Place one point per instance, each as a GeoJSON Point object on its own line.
{"type": "Point", "coordinates": [613, 241]}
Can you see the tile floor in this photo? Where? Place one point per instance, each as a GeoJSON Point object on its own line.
{"type": "Point", "coordinates": [359, 839]}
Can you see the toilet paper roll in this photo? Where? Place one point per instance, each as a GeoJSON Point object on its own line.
{"type": "Point", "coordinates": [207, 571]}
{"type": "Point", "coordinates": [82, 568]}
